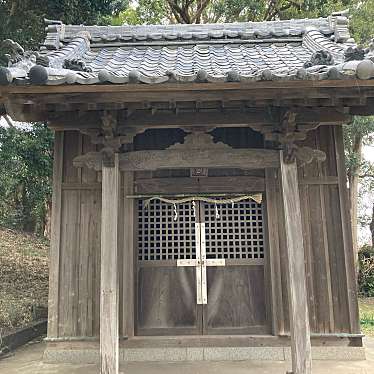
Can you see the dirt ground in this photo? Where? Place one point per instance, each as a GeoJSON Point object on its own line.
{"type": "Point", "coordinates": [24, 279]}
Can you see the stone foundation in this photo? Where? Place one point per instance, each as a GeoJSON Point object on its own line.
{"type": "Point", "coordinates": [60, 353]}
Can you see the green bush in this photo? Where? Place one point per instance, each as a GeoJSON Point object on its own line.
{"type": "Point", "coordinates": [25, 176]}
{"type": "Point", "coordinates": [366, 271]}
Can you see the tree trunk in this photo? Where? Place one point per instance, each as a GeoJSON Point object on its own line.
{"type": "Point", "coordinates": [372, 227]}
{"type": "Point", "coordinates": [353, 190]}
{"type": "Point", "coordinates": [47, 220]}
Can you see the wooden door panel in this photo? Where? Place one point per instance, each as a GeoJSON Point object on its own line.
{"type": "Point", "coordinates": [166, 293]}
{"type": "Point", "coordinates": [167, 301]}
{"type": "Point", "coordinates": [236, 300]}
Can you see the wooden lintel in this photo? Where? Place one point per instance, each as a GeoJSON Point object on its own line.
{"type": "Point", "coordinates": [237, 184]}
{"type": "Point", "coordinates": [177, 159]}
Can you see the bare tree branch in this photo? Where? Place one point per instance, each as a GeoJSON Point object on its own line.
{"type": "Point", "coordinates": [202, 6]}
{"type": "Point", "coordinates": [177, 12]}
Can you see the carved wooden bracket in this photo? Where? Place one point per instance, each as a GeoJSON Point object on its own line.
{"type": "Point", "coordinates": [287, 132]}
{"type": "Point", "coordinates": [110, 136]}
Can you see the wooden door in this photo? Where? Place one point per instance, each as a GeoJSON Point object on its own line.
{"type": "Point", "coordinates": [214, 249]}
{"type": "Point", "coordinates": [166, 293]}
{"type": "Point", "coordinates": [236, 298]}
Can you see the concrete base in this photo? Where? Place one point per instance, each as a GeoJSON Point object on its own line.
{"type": "Point", "coordinates": [189, 354]}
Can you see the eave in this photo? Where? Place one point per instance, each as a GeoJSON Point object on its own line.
{"type": "Point", "coordinates": [43, 103]}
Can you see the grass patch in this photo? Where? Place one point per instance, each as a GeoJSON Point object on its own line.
{"type": "Point", "coordinates": [24, 278]}
{"type": "Point", "coordinates": [367, 315]}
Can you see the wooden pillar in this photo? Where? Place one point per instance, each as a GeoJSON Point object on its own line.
{"type": "Point", "coordinates": [109, 306]}
{"type": "Point", "coordinates": [128, 250]}
{"type": "Point", "coordinates": [54, 260]}
{"type": "Point", "coordinates": [299, 316]}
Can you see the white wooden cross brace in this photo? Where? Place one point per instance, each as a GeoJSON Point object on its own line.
{"type": "Point", "coordinates": [201, 263]}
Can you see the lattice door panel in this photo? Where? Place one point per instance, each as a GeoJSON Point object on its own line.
{"type": "Point", "coordinates": [160, 237]}
{"type": "Point", "coordinates": [234, 231]}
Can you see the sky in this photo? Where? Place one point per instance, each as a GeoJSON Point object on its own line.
{"type": "Point", "coordinates": [368, 153]}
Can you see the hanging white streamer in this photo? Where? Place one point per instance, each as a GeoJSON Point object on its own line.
{"type": "Point", "coordinates": [216, 209]}
{"type": "Point", "coordinates": [175, 212]}
{"type": "Point", "coordinates": [194, 208]}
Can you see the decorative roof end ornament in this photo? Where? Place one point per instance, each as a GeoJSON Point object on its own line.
{"type": "Point", "coordinates": [16, 51]}
{"type": "Point", "coordinates": [354, 54]}
{"type": "Point", "coordinates": [76, 64]}
{"type": "Point", "coordinates": [339, 22]}
{"type": "Point", "coordinates": [320, 57]}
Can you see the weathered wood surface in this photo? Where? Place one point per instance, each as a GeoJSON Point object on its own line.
{"type": "Point", "coordinates": [174, 159]}
{"type": "Point", "coordinates": [128, 256]}
{"type": "Point", "coordinates": [236, 301]}
{"type": "Point", "coordinates": [54, 265]}
{"type": "Point", "coordinates": [235, 114]}
{"type": "Point", "coordinates": [273, 247]}
{"type": "Point", "coordinates": [349, 261]}
{"type": "Point", "coordinates": [88, 202]}
{"type": "Point", "coordinates": [187, 87]}
{"type": "Point", "coordinates": [299, 317]}
{"type": "Point", "coordinates": [109, 305]}
{"type": "Point", "coordinates": [167, 301]}
{"type": "Point", "coordinates": [238, 184]}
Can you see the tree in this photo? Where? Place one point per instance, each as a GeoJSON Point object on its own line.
{"type": "Point", "coordinates": [25, 176]}
{"type": "Point", "coordinates": [360, 130]}
{"type": "Point", "coordinates": [212, 11]}
{"type": "Point", "coordinates": [23, 20]}
{"type": "Point", "coordinates": [366, 196]}
{"type": "Point", "coordinates": [26, 154]}
{"type": "Point", "coordinates": [362, 25]}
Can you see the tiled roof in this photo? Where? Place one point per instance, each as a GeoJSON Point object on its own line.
{"type": "Point", "coordinates": [293, 49]}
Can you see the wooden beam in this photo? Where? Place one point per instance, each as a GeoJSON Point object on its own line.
{"type": "Point", "coordinates": [172, 87]}
{"type": "Point", "coordinates": [228, 118]}
{"type": "Point", "coordinates": [109, 306]}
{"type": "Point", "coordinates": [331, 95]}
{"type": "Point", "coordinates": [234, 184]}
{"type": "Point", "coordinates": [177, 159]}
{"type": "Point", "coordinates": [299, 316]}
{"type": "Point", "coordinates": [141, 119]}
{"type": "Point", "coordinates": [54, 256]}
